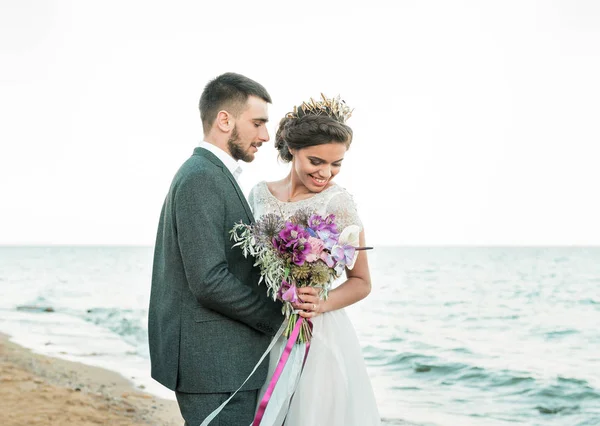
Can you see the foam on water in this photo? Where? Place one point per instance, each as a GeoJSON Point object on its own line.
{"type": "Point", "coordinates": [74, 339]}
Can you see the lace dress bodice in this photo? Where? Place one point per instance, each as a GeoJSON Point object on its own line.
{"type": "Point", "coordinates": [333, 200]}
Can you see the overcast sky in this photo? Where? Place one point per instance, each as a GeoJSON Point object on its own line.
{"type": "Point", "coordinates": [476, 122]}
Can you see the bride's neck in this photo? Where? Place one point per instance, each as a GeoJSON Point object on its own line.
{"type": "Point", "coordinates": [294, 188]}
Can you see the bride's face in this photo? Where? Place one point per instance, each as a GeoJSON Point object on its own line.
{"type": "Point", "coordinates": [316, 166]}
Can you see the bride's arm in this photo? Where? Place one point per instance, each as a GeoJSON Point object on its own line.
{"type": "Point", "coordinates": [355, 288]}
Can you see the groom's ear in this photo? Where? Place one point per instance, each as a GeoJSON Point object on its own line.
{"type": "Point", "coordinates": [224, 121]}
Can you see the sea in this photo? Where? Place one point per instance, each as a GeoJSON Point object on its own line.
{"type": "Point", "coordinates": [450, 335]}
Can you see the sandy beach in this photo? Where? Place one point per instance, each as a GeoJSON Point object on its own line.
{"type": "Point", "coordinates": [39, 390]}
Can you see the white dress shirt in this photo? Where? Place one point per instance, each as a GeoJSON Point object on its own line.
{"type": "Point", "coordinates": [227, 159]}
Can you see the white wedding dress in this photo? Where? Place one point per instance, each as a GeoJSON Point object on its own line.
{"type": "Point", "coordinates": [334, 388]}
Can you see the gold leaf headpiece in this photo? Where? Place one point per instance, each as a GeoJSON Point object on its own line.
{"type": "Point", "coordinates": [333, 107]}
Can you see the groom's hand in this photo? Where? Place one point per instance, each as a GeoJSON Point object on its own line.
{"type": "Point", "coordinates": [310, 303]}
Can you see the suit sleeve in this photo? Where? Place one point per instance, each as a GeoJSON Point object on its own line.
{"type": "Point", "coordinates": [200, 213]}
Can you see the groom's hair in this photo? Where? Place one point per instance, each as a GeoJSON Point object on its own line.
{"type": "Point", "coordinates": [230, 92]}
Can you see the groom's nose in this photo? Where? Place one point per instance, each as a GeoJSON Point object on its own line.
{"type": "Point", "coordinates": [263, 134]}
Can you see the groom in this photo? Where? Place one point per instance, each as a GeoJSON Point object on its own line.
{"type": "Point", "coordinates": [209, 322]}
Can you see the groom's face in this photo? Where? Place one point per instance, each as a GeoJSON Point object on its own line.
{"type": "Point", "coordinates": [250, 130]}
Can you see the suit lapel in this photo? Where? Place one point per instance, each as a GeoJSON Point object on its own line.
{"type": "Point", "coordinates": [213, 159]}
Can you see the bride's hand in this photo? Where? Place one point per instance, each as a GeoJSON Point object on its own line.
{"type": "Point", "coordinates": [310, 305]}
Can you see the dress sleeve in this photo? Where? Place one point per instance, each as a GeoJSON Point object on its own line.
{"type": "Point", "coordinates": [251, 198]}
{"type": "Point", "coordinates": [256, 200]}
{"type": "Point", "coordinates": [342, 205]}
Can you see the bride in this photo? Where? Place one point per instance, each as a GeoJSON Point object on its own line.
{"type": "Point", "coordinates": [334, 388]}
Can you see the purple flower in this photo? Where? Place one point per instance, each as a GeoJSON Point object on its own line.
{"type": "Point", "coordinates": [287, 292]}
{"type": "Point", "coordinates": [280, 247]}
{"type": "Point", "coordinates": [293, 239]}
{"type": "Point", "coordinates": [325, 229]}
{"type": "Point", "coordinates": [328, 259]}
{"type": "Point", "coordinates": [299, 253]}
{"type": "Point", "coordinates": [317, 223]}
{"type": "Point", "coordinates": [329, 239]}
{"type": "Point", "coordinates": [337, 252]}
{"type": "Point", "coordinates": [343, 254]}
{"type": "Point", "coordinates": [292, 233]}
{"type": "Point", "coordinates": [340, 257]}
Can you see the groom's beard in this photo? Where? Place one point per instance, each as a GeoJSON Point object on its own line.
{"type": "Point", "coordinates": [236, 149]}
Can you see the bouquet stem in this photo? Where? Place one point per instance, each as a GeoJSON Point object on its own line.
{"type": "Point", "coordinates": [305, 329]}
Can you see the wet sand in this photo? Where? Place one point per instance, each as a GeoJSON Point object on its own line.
{"type": "Point", "coordinates": [40, 390]}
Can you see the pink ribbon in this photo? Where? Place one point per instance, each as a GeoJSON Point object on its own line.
{"type": "Point", "coordinates": [279, 369]}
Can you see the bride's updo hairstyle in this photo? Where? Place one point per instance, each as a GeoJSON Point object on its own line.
{"type": "Point", "coordinates": [313, 123]}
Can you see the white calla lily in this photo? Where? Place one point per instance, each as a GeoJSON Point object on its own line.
{"type": "Point", "coordinates": [350, 236]}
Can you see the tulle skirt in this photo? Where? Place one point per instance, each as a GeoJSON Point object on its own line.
{"type": "Point", "coordinates": [334, 388]}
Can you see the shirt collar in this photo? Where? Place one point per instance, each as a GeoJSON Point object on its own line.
{"type": "Point", "coordinates": [232, 165]}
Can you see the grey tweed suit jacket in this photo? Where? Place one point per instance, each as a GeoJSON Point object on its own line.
{"type": "Point", "coordinates": [208, 321]}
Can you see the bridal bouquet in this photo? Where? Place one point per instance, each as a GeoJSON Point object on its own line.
{"type": "Point", "coordinates": [304, 250]}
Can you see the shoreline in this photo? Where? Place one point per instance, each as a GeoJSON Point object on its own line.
{"type": "Point", "coordinates": [38, 389]}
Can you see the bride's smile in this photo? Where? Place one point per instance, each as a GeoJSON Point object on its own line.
{"type": "Point", "coordinates": [318, 181]}
{"type": "Point", "coordinates": [315, 167]}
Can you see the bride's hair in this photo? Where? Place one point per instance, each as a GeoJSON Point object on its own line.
{"type": "Point", "coordinates": [309, 127]}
